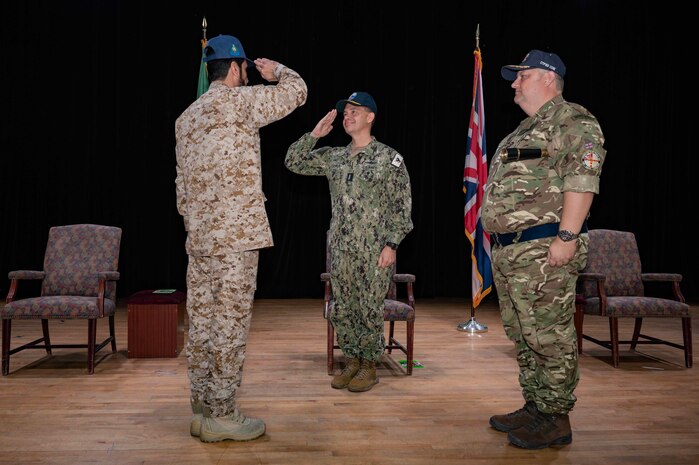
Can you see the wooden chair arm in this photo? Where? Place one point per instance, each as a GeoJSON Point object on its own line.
{"type": "Point", "coordinates": [674, 278]}
{"type": "Point", "coordinates": [403, 278]}
{"type": "Point", "coordinates": [109, 275]}
{"type": "Point", "coordinates": [661, 277]}
{"type": "Point", "coordinates": [592, 277]}
{"type": "Point", "coordinates": [26, 274]}
{"type": "Point", "coordinates": [103, 277]}
{"type": "Point", "coordinates": [17, 276]}
{"type": "Point", "coordinates": [599, 278]}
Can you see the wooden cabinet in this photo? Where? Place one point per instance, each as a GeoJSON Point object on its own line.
{"type": "Point", "coordinates": [156, 324]}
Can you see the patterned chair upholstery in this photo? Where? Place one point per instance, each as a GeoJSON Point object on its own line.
{"type": "Point", "coordinates": [612, 286]}
{"type": "Point", "coordinates": [78, 282]}
{"type": "Point", "coordinates": [394, 310]}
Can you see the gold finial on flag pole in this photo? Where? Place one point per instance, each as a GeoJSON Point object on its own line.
{"type": "Point", "coordinates": [203, 31]}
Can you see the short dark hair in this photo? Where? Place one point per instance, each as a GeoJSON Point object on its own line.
{"type": "Point", "coordinates": [218, 69]}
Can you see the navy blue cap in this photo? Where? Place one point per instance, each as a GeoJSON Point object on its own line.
{"type": "Point", "coordinates": [224, 47]}
{"type": "Point", "coordinates": [359, 99]}
{"type": "Point", "coordinates": [535, 59]}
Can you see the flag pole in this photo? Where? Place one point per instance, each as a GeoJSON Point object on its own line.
{"type": "Point", "coordinates": [203, 83]}
{"type": "Point", "coordinates": [473, 326]}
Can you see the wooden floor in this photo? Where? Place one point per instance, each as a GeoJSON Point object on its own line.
{"type": "Point", "coordinates": [136, 411]}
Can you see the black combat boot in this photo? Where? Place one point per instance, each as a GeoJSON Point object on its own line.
{"type": "Point", "coordinates": [547, 429]}
{"type": "Point", "coordinates": [513, 420]}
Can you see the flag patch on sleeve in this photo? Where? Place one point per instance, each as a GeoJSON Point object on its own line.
{"type": "Point", "coordinates": [591, 160]}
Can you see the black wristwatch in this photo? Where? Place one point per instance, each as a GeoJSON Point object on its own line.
{"type": "Point", "coordinates": [567, 236]}
{"type": "Point", "coordinates": [392, 245]}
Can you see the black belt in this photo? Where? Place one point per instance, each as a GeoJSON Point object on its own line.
{"type": "Point", "coordinates": [535, 232]}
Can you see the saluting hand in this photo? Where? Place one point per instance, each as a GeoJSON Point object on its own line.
{"type": "Point", "coordinates": [266, 68]}
{"type": "Point", "coordinates": [325, 125]}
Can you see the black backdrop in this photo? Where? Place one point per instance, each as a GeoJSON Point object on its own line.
{"type": "Point", "coordinates": [92, 89]}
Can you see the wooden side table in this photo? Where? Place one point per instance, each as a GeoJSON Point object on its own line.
{"type": "Point", "coordinates": [156, 324]}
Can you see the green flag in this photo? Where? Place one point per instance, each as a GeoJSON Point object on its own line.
{"type": "Point", "coordinates": [203, 84]}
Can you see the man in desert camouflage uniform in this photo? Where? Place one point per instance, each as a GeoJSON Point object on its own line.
{"type": "Point", "coordinates": [371, 204]}
{"type": "Point", "coordinates": [219, 194]}
{"type": "Point", "coordinates": [542, 180]}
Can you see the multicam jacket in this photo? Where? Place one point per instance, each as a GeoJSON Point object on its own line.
{"type": "Point", "coordinates": [529, 192]}
{"type": "Point", "coordinates": [219, 179]}
{"type": "Point", "coordinates": [370, 191]}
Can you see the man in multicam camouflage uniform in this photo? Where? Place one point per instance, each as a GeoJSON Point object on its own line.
{"type": "Point", "coordinates": [371, 204]}
{"type": "Point", "coordinates": [219, 194]}
{"type": "Point", "coordinates": [542, 179]}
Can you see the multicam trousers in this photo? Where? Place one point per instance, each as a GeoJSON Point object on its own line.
{"type": "Point", "coordinates": [220, 293]}
{"type": "Point", "coordinates": [537, 305]}
{"type": "Point", "coordinates": [359, 289]}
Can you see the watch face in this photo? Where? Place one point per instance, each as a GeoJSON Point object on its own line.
{"type": "Point", "coordinates": [566, 235]}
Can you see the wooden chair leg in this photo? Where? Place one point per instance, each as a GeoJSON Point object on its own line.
{"type": "Point", "coordinates": [91, 334]}
{"type": "Point", "coordinates": [636, 332]}
{"type": "Point", "coordinates": [578, 320]}
{"type": "Point", "coordinates": [6, 330]}
{"type": "Point", "coordinates": [45, 332]}
{"type": "Point", "coordinates": [331, 347]}
{"type": "Point", "coordinates": [112, 333]}
{"type": "Point", "coordinates": [614, 336]}
{"type": "Point", "coordinates": [391, 328]}
{"type": "Point", "coordinates": [687, 338]}
{"type": "Point", "coordinates": [410, 324]}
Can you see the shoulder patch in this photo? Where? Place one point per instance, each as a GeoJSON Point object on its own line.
{"type": "Point", "coordinates": [591, 160]}
{"type": "Point", "coordinates": [397, 160]}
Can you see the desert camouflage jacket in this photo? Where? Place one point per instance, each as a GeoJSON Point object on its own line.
{"type": "Point", "coordinates": [219, 181]}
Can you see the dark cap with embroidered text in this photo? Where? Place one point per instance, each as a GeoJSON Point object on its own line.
{"type": "Point", "coordinates": [535, 59]}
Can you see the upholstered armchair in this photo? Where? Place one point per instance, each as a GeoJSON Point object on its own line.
{"type": "Point", "coordinates": [78, 282]}
{"type": "Point", "coordinates": [612, 286]}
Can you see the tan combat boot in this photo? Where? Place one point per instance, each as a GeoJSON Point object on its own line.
{"type": "Point", "coordinates": [365, 377]}
{"type": "Point", "coordinates": [547, 429]}
{"type": "Point", "coordinates": [342, 380]}
{"type": "Point", "coordinates": [517, 419]}
{"type": "Point", "coordinates": [236, 427]}
{"type": "Point", "coordinates": [197, 416]}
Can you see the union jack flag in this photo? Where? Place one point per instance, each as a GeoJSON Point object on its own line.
{"type": "Point", "coordinates": [475, 176]}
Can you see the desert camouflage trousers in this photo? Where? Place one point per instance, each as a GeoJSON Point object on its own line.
{"type": "Point", "coordinates": [537, 305]}
{"type": "Point", "coordinates": [220, 293]}
{"type": "Point", "coordinates": [359, 289]}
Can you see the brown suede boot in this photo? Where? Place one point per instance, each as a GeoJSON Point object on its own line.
{"type": "Point", "coordinates": [547, 429]}
{"type": "Point", "coordinates": [343, 379]}
{"type": "Point", "coordinates": [513, 420]}
{"type": "Point", "coordinates": [365, 377]}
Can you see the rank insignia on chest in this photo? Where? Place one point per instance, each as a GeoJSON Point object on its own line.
{"type": "Point", "coordinates": [350, 176]}
{"type": "Point", "coordinates": [591, 160]}
{"type": "Point", "coordinates": [397, 161]}
{"type": "Point", "coordinates": [517, 154]}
